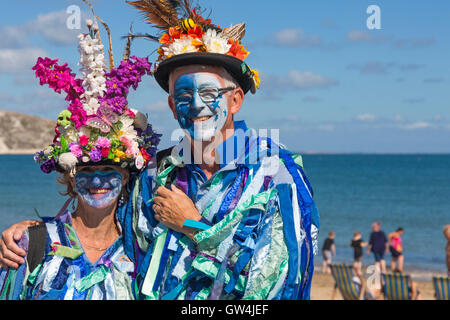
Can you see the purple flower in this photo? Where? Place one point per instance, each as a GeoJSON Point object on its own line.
{"type": "Point", "coordinates": [96, 155]}
{"type": "Point", "coordinates": [115, 87]}
{"type": "Point", "coordinates": [117, 104]}
{"type": "Point", "coordinates": [48, 166]}
{"type": "Point", "coordinates": [38, 156]}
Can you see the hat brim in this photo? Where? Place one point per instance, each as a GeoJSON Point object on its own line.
{"type": "Point", "coordinates": [124, 163]}
{"type": "Point", "coordinates": [238, 69]}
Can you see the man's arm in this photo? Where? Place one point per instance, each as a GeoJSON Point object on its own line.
{"type": "Point", "coordinates": [11, 255]}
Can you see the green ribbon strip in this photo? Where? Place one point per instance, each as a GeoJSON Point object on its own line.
{"type": "Point", "coordinates": [32, 277]}
{"type": "Point", "coordinates": [92, 279]}
{"type": "Point", "coordinates": [72, 237]}
{"type": "Point", "coordinates": [147, 287]}
{"type": "Point", "coordinates": [66, 252]}
{"type": "Point", "coordinates": [217, 233]}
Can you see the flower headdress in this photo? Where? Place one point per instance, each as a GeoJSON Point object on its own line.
{"type": "Point", "coordinates": [187, 36]}
{"type": "Point", "coordinates": [98, 126]}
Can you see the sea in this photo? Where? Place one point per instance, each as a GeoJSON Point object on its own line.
{"type": "Point", "coordinates": [351, 192]}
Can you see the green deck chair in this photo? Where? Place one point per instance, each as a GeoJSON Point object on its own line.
{"type": "Point", "coordinates": [442, 288]}
{"type": "Point", "coordinates": [343, 275]}
{"type": "Point", "coordinates": [396, 286]}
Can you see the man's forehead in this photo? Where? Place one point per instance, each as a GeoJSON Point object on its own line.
{"type": "Point", "coordinates": [207, 71]}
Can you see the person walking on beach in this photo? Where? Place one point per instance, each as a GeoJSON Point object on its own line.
{"type": "Point", "coordinates": [328, 250]}
{"type": "Point", "coordinates": [446, 231]}
{"type": "Point", "coordinates": [357, 244]}
{"type": "Point", "coordinates": [396, 248]}
{"type": "Point", "coordinates": [378, 245]}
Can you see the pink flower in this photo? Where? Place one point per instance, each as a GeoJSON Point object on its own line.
{"type": "Point", "coordinates": [76, 150]}
{"type": "Point", "coordinates": [130, 113]}
{"type": "Point", "coordinates": [84, 140]}
{"type": "Point", "coordinates": [103, 143]}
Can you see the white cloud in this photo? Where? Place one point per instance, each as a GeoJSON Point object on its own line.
{"type": "Point", "coordinates": [19, 60]}
{"type": "Point", "coordinates": [296, 38]}
{"type": "Point", "coordinates": [326, 127]}
{"type": "Point", "coordinates": [308, 80]}
{"type": "Point", "coordinates": [272, 85]}
{"type": "Point", "coordinates": [52, 26]}
{"type": "Point", "coordinates": [417, 125]}
{"type": "Point", "coordinates": [359, 36]}
{"type": "Point", "coordinates": [366, 117]}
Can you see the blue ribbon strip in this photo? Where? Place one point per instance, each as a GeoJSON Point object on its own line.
{"type": "Point", "coordinates": [195, 224]}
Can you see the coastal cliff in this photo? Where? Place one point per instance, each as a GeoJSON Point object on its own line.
{"type": "Point", "coordinates": [24, 134]}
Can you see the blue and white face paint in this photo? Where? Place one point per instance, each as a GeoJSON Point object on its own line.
{"type": "Point", "coordinates": [199, 119]}
{"type": "Point", "coordinates": [98, 188]}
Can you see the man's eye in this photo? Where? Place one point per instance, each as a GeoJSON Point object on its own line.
{"type": "Point", "coordinates": [184, 97]}
{"type": "Point", "coordinates": [209, 94]}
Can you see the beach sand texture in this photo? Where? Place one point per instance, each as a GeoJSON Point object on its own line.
{"type": "Point", "coordinates": [323, 284]}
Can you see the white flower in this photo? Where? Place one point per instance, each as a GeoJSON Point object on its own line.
{"type": "Point", "coordinates": [89, 22]}
{"type": "Point", "coordinates": [180, 46]}
{"type": "Point", "coordinates": [127, 129]}
{"type": "Point", "coordinates": [215, 43]}
{"type": "Point", "coordinates": [91, 106]}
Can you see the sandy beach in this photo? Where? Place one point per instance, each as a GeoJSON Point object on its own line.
{"type": "Point", "coordinates": [323, 284]}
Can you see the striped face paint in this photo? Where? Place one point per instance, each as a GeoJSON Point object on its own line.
{"type": "Point", "coordinates": [98, 189]}
{"type": "Point", "coordinates": [201, 112]}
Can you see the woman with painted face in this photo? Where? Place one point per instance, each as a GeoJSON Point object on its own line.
{"type": "Point", "coordinates": [102, 150]}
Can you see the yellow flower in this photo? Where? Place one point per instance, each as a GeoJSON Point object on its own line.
{"type": "Point", "coordinates": [120, 155]}
{"type": "Point", "coordinates": [256, 78]}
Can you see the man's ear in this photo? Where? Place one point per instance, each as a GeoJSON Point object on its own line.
{"type": "Point", "coordinates": [237, 99]}
{"type": "Point", "coordinates": [171, 102]}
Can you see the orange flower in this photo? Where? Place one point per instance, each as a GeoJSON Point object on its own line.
{"type": "Point", "coordinates": [237, 50]}
{"type": "Point", "coordinates": [196, 32]}
{"type": "Point", "coordinates": [175, 32]}
{"type": "Point", "coordinates": [168, 38]}
{"type": "Point", "coordinates": [165, 39]}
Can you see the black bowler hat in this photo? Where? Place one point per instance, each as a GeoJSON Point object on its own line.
{"type": "Point", "coordinates": [238, 69]}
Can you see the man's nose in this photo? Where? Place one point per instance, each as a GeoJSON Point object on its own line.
{"type": "Point", "coordinates": [197, 102]}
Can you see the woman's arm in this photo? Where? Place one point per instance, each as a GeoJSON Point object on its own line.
{"type": "Point", "coordinates": [13, 282]}
{"type": "Point", "coordinates": [11, 255]}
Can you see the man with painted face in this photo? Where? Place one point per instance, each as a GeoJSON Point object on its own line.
{"type": "Point", "coordinates": [232, 215]}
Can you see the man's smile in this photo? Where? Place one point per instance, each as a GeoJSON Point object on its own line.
{"type": "Point", "coordinates": [200, 119]}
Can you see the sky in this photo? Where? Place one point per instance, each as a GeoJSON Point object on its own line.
{"type": "Point", "coordinates": [330, 83]}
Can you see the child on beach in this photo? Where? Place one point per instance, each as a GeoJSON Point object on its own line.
{"type": "Point", "coordinates": [396, 248]}
{"type": "Point", "coordinates": [357, 244]}
{"type": "Point", "coordinates": [328, 250]}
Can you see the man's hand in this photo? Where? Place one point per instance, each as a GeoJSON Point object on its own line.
{"type": "Point", "coordinates": [11, 255]}
{"type": "Point", "coordinates": [173, 207]}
